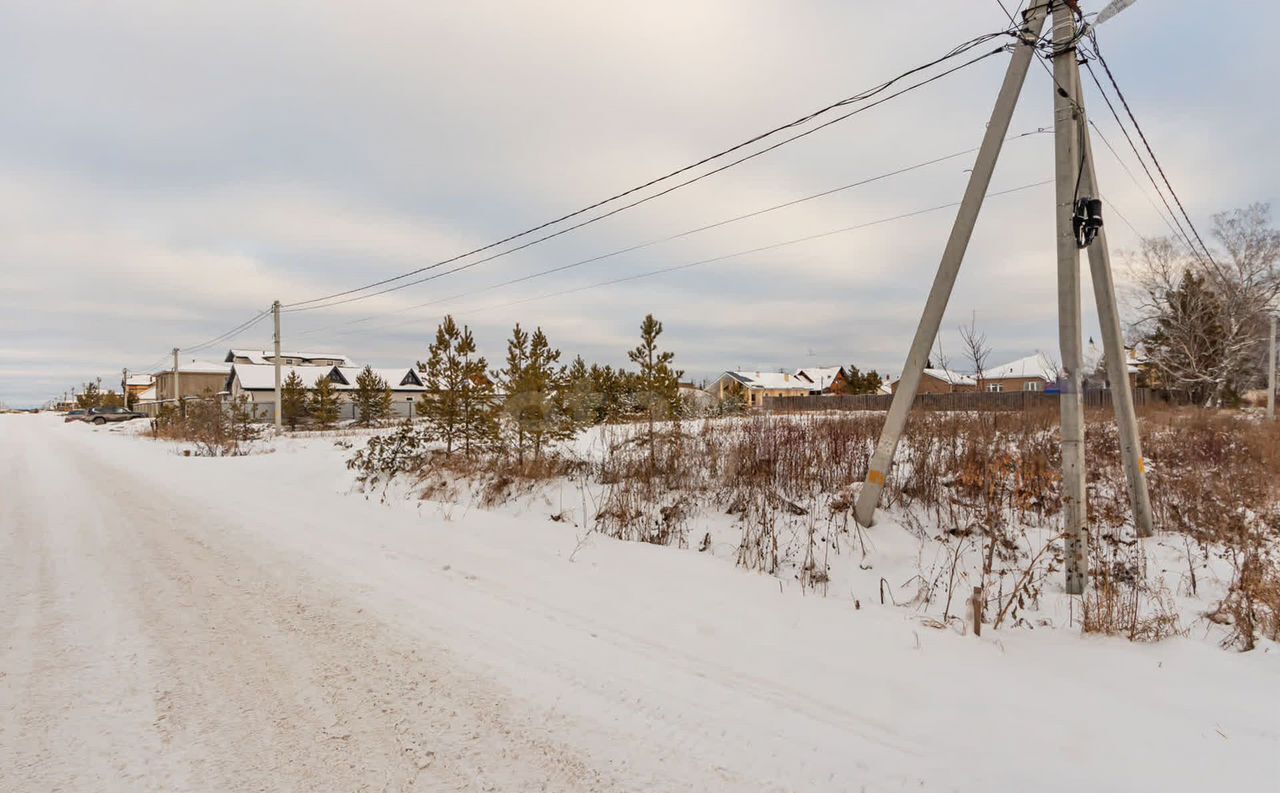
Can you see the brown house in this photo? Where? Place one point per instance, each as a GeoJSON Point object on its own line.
{"type": "Point", "coordinates": [941, 381]}
{"type": "Point", "coordinates": [138, 383]}
{"type": "Point", "coordinates": [824, 379]}
{"type": "Point", "coordinates": [1032, 373]}
{"type": "Point", "coordinates": [195, 379]}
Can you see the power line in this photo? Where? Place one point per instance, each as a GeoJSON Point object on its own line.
{"type": "Point", "coordinates": [1097, 53]}
{"type": "Point", "coordinates": [238, 329]}
{"type": "Point", "coordinates": [725, 257]}
{"type": "Point", "coordinates": [1046, 46]}
{"type": "Point", "coordinates": [1176, 224]}
{"type": "Point", "coordinates": [1145, 194]}
{"type": "Point", "coordinates": [149, 367]}
{"type": "Point", "coordinates": [863, 96]}
{"type": "Point", "coordinates": [1005, 9]}
{"type": "Point", "coordinates": [229, 334]}
{"type": "Point", "coordinates": [761, 249]}
{"type": "Point", "coordinates": [672, 237]}
{"type": "Point", "coordinates": [646, 199]}
{"type": "Point", "coordinates": [1120, 215]}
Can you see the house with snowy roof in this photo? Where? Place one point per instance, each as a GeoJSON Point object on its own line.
{"type": "Point", "coordinates": [261, 357]}
{"type": "Point", "coordinates": [257, 384]}
{"type": "Point", "coordinates": [138, 383]}
{"type": "Point", "coordinates": [825, 379]}
{"type": "Point", "coordinates": [1030, 373]}
{"type": "Point", "coordinates": [195, 379]}
{"type": "Point", "coordinates": [1095, 373]}
{"type": "Point", "coordinates": [755, 386]}
{"type": "Point", "coordinates": [936, 380]}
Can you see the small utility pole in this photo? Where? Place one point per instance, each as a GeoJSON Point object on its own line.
{"type": "Point", "coordinates": [1068, 166]}
{"type": "Point", "coordinates": [275, 312]}
{"type": "Point", "coordinates": [124, 386]}
{"type": "Point", "coordinates": [1271, 374]}
{"type": "Point", "coordinates": [177, 398]}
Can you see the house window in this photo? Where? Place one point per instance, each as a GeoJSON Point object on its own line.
{"type": "Point", "coordinates": [994, 388]}
{"type": "Point", "coordinates": [1034, 385]}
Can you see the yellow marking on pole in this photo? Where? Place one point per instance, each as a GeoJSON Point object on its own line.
{"type": "Point", "coordinates": [876, 478]}
{"type": "Point", "coordinates": [1142, 464]}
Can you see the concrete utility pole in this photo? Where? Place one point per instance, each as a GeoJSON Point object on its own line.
{"type": "Point", "coordinates": [124, 386]}
{"type": "Point", "coordinates": [1068, 166]}
{"type": "Point", "coordinates": [952, 256]}
{"type": "Point", "coordinates": [1104, 293]}
{"type": "Point", "coordinates": [1271, 374]}
{"type": "Point", "coordinates": [275, 312]}
{"type": "Point", "coordinates": [177, 392]}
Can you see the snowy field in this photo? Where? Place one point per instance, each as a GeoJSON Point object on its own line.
{"type": "Point", "coordinates": [257, 623]}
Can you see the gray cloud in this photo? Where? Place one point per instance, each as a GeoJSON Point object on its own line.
{"type": "Point", "coordinates": [166, 170]}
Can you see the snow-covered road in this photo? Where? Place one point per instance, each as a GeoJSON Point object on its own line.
{"type": "Point", "coordinates": [184, 624]}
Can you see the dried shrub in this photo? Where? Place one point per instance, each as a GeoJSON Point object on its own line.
{"type": "Point", "coordinates": [385, 456]}
{"type": "Point", "coordinates": [1122, 598]}
{"type": "Point", "coordinates": [1252, 604]}
{"type": "Point", "coordinates": [216, 428]}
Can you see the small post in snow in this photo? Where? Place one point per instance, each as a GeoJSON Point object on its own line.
{"type": "Point", "coordinates": [976, 602]}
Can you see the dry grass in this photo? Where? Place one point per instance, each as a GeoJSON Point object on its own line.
{"type": "Point", "coordinates": [214, 428]}
{"type": "Point", "coordinates": [981, 490]}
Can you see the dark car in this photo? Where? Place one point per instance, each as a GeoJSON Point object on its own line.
{"type": "Point", "coordinates": [103, 415]}
{"type": "Point", "coordinates": [74, 415]}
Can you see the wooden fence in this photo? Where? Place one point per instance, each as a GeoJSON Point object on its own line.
{"type": "Point", "coordinates": [974, 401]}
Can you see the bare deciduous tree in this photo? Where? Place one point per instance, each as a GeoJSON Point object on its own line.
{"type": "Point", "coordinates": [976, 348]}
{"type": "Point", "coordinates": [1204, 319]}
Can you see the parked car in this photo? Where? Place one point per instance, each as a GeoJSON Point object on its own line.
{"type": "Point", "coordinates": [74, 415]}
{"type": "Point", "coordinates": [103, 415]}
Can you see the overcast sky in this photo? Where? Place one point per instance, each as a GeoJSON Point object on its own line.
{"type": "Point", "coordinates": [168, 169]}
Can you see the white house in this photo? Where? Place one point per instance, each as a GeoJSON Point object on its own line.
{"type": "Point", "coordinates": [823, 379]}
{"type": "Point", "coordinates": [257, 383]}
{"type": "Point", "coordinates": [755, 386]}
{"type": "Point", "coordinates": [260, 357]}
{"type": "Point", "coordinates": [405, 383]}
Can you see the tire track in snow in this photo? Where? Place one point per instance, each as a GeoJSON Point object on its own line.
{"type": "Point", "coordinates": [260, 678]}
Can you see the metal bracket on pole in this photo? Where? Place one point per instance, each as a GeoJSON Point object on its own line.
{"type": "Point", "coordinates": [949, 267]}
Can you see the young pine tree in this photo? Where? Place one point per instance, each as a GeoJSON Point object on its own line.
{"type": "Point", "coordinates": [580, 397]}
{"type": "Point", "coordinates": [372, 398]}
{"type": "Point", "coordinates": [862, 383]}
{"type": "Point", "coordinates": [90, 395]}
{"type": "Point", "coordinates": [458, 405]}
{"type": "Point", "coordinates": [293, 400]}
{"type": "Point", "coordinates": [511, 380]}
{"type": "Point", "coordinates": [734, 402]}
{"type": "Point", "coordinates": [607, 385]}
{"type": "Point", "coordinates": [479, 405]}
{"type": "Point", "coordinates": [535, 400]}
{"type": "Point", "coordinates": [658, 383]}
{"type": "Point", "coordinates": [323, 403]}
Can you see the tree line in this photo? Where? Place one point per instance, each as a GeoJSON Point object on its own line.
{"type": "Point", "coordinates": [534, 399]}
{"type": "Point", "coordinates": [531, 401]}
